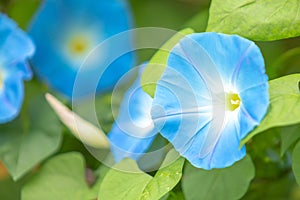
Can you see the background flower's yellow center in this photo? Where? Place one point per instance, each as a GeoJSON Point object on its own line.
{"type": "Point", "coordinates": [233, 101]}
{"type": "Point", "coordinates": [79, 45]}
{"type": "Point", "coordinates": [1, 80]}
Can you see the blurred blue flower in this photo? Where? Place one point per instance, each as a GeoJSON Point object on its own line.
{"type": "Point", "coordinates": [213, 92]}
{"type": "Point", "coordinates": [66, 31]}
{"type": "Point", "coordinates": [15, 49]}
{"type": "Point", "coordinates": [133, 131]}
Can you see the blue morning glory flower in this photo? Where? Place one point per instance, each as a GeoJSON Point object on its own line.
{"type": "Point", "coordinates": [213, 92]}
{"type": "Point", "coordinates": [133, 131]}
{"type": "Point", "coordinates": [66, 31]}
{"type": "Point", "coordinates": [15, 49]}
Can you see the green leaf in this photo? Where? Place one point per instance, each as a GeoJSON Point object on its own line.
{"type": "Point", "coordinates": [31, 138]}
{"type": "Point", "coordinates": [199, 21]}
{"type": "Point", "coordinates": [22, 11]}
{"type": "Point", "coordinates": [265, 152]}
{"type": "Point", "coordinates": [284, 105]}
{"type": "Point", "coordinates": [296, 162]}
{"type": "Point", "coordinates": [177, 195]}
{"type": "Point", "coordinates": [258, 20]}
{"type": "Point", "coordinates": [287, 63]}
{"type": "Point", "coordinates": [9, 189]}
{"type": "Point", "coordinates": [126, 181]}
{"type": "Point", "coordinates": [158, 62]}
{"type": "Point", "coordinates": [289, 135]}
{"type": "Point", "coordinates": [100, 172]}
{"type": "Point", "coordinates": [122, 184]}
{"type": "Point", "coordinates": [227, 183]}
{"type": "Point", "coordinates": [62, 177]}
{"type": "Point", "coordinates": [165, 179]}
{"type": "Point", "coordinates": [280, 188]}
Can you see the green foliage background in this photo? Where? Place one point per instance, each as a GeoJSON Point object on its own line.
{"type": "Point", "coordinates": [272, 152]}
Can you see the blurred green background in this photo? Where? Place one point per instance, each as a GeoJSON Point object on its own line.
{"type": "Point", "coordinates": [274, 179]}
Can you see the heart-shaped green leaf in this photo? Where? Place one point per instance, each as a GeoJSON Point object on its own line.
{"type": "Point", "coordinates": [218, 184]}
{"type": "Point", "coordinates": [127, 181]}
{"type": "Point", "coordinates": [31, 138]}
{"type": "Point", "coordinates": [62, 177]}
{"type": "Point", "coordinates": [263, 20]}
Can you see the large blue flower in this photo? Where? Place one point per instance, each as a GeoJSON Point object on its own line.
{"type": "Point", "coordinates": [133, 131]}
{"type": "Point", "coordinates": [213, 92]}
{"type": "Point", "coordinates": [15, 49]}
{"type": "Point", "coordinates": [66, 31]}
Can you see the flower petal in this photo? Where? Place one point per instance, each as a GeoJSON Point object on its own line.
{"type": "Point", "coordinates": [177, 107]}
{"type": "Point", "coordinates": [24, 70]}
{"type": "Point", "coordinates": [59, 27]}
{"type": "Point", "coordinates": [133, 131]}
{"type": "Point", "coordinates": [250, 72]}
{"type": "Point", "coordinates": [15, 48]}
{"type": "Point", "coordinates": [125, 145]}
{"type": "Point", "coordinates": [190, 104]}
{"type": "Point", "coordinates": [254, 106]}
{"type": "Point", "coordinates": [11, 98]}
{"type": "Point", "coordinates": [226, 51]}
{"type": "Point", "coordinates": [226, 151]}
{"type": "Point", "coordinates": [15, 45]}
{"type": "Point", "coordinates": [195, 82]}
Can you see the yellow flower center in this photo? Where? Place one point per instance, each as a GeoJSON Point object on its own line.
{"type": "Point", "coordinates": [233, 101]}
{"type": "Point", "coordinates": [1, 80]}
{"type": "Point", "coordinates": [79, 45]}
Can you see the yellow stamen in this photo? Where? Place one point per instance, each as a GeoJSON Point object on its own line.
{"type": "Point", "coordinates": [78, 45]}
{"type": "Point", "coordinates": [233, 101]}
